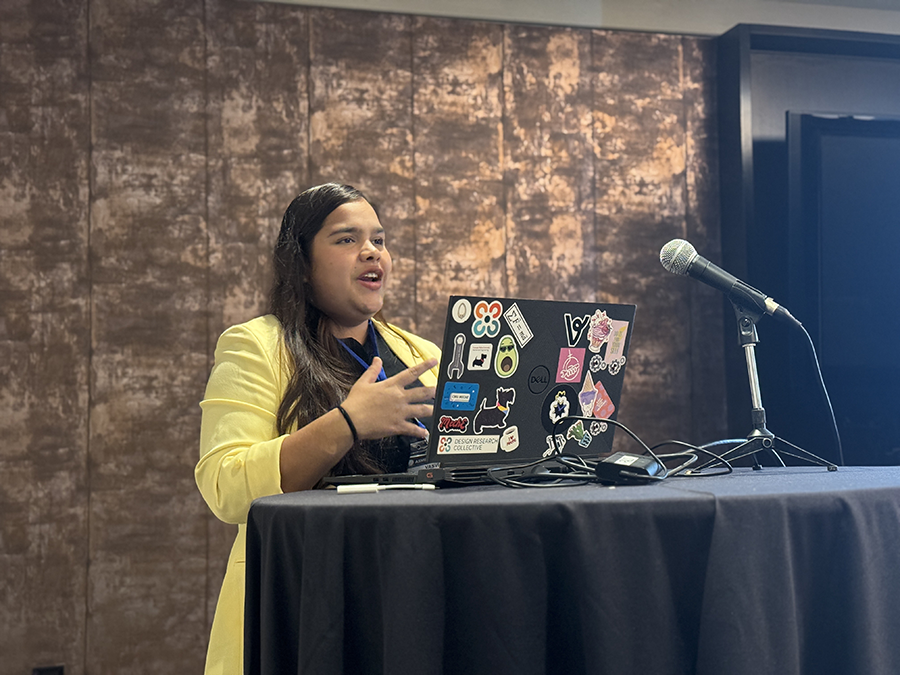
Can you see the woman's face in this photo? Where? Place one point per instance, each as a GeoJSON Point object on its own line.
{"type": "Point", "coordinates": [350, 268]}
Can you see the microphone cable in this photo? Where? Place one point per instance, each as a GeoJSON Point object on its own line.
{"type": "Point", "coordinates": [824, 389]}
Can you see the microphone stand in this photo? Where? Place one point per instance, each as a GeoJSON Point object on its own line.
{"type": "Point", "coordinates": [760, 439]}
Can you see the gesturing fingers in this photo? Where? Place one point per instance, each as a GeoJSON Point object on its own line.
{"type": "Point", "coordinates": [412, 373]}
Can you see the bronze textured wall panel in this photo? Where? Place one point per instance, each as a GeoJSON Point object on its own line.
{"type": "Point", "coordinates": [44, 333]}
{"type": "Point", "coordinates": [257, 158]}
{"type": "Point", "coordinates": [640, 135]}
{"type": "Point", "coordinates": [146, 598]}
{"type": "Point", "coordinates": [549, 163]}
{"type": "Point", "coordinates": [702, 229]}
{"type": "Point", "coordinates": [361, 126]}
{"type": "Point", "coordinates": [460, 205]}
{"type": "Point", "coordinates": [148, 153]}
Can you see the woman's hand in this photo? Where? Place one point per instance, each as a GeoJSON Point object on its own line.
{"type": "Point", "coordinates": [381, 409]}
{"type": "Point", "coordinates": [377, 409]}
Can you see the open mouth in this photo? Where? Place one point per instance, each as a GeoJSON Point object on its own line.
{"type": "Point", "coordinates": [372, 277]}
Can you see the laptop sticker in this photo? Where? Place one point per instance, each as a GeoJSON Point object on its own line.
{"type": "Point", "coordinates": [561, 401]}
{"type": "Point", "coordinates": [456, 367]}
{"type": "Point", "coordinates": [587, 396]}
{"type": "Point", "coordinates": [487, 319]}
{"type": "Point", "coordinates": [518, 325]}
{"type": "Point", "coordinates": [597, 364]}
{"type": "Point", "coordinates": [494, 416]}
{"type": "Point", "coordinates": [578, 432]}
{"type": "Point", "coordinates": [552, 445]}
{"type": "Point", "coordinates": [603, 405]}
{"type": "Point", "coordinates": [616, 346]}
{"type": "Point", "coordinates": [462, 310]}
{"type": "Point", "coordinates": [448, 423]}
{"type": "Point", "coordinates": [575, 327]}
{"type": "Point", "coordinates": [601, 326]}
{"type": "Point", "coordinates": [459, 396]}
{"type": "Point", "coordinates": [570, 365]}
{"type": "Point", "coordinates": [507, 359]}
{"type": "Point", "coordinates": [615, 366]}
{"type": "Point", "coordinates": [509, 441]}
{"type": "Point", "coordinates": [480, 356]}
{"type": "Point", "coordinates": [559, 407]}
{"type": "Point", "coordinates": [458, 445]}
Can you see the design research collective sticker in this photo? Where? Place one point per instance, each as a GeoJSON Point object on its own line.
{"type": "Point", "coordinates": [462, 310]}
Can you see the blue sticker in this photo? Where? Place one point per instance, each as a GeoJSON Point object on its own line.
{"type": "Point", "coordinates": [459, 396]}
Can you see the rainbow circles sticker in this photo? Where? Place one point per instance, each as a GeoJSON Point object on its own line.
{"type": "Point", "coordinates": [487, 319]}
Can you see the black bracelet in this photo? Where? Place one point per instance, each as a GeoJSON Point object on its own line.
{"type": "Point", "coordinates": [343, 412]}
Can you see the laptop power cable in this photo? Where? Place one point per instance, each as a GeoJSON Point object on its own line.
{"type": "Point", "coordinates": [623, 468]}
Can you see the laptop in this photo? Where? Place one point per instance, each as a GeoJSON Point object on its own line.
{"type": "Point", "coordinates": [511, 369]}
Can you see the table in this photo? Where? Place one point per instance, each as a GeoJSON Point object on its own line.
{"type": "Point", "coordinates": [778, 571]}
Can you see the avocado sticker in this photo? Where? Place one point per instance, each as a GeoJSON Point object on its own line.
{"type": "Point", "coordinates": [507, 359]}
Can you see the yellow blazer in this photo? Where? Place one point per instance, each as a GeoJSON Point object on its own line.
{"type": "Point", "coordinates": [240, 449]}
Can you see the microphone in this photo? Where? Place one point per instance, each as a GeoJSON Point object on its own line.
{"type": "Point", "coordinates": [679, 257]}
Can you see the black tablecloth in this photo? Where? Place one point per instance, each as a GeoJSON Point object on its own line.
{"type": "Point", "coordinates": [777, 571]}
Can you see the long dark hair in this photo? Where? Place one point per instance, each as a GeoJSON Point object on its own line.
{"type": "Point", "coordinates": [320, 373]}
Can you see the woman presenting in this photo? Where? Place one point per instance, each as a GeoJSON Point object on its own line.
{"type": "Point", "coordinates": [322, 385]}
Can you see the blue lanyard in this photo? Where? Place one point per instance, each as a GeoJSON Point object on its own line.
{"type": "Point", "coordinates": [381, 375]}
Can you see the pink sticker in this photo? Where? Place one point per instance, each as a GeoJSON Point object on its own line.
{"type": "Point", "coordinates": [603, 405]}
{"type": "Point", "coordinates": [571, 362]}
{"type": "Point", "coordinates": [616, 345]}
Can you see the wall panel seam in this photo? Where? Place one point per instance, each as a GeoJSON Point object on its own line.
{"type": "Point", "coordinates": [90, 341]}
